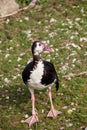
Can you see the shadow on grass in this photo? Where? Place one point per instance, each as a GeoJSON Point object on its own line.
{"type": "Point", "coordinates": [19, 97]}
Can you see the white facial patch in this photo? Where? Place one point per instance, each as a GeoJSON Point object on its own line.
{"type": "Point", "coordinates": [38, 49]}
{"type": "Point", "coordinates": [36, 74]}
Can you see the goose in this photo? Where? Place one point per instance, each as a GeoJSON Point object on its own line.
{"type": "Point", "coordinates": [38, 75]}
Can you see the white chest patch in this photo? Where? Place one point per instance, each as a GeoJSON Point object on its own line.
{"type": "Point", "coordinates": [36, 75]}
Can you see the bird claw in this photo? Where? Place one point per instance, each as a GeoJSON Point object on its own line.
{"type": "Point", "coordinates": [53, 113]}
{"type": "Point", "coordinates": [31, 120]}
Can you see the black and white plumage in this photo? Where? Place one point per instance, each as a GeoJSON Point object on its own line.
{"type": "Point", "coordinates": [40, 74]}
{"type": "Point", "coordinates": [32, 75]}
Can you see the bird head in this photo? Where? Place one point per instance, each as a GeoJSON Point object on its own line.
{"type": "Point", "coordinates": [39, 47]}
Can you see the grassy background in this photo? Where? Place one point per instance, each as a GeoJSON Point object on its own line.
{"type": "Point", "coordinates": [63, 25]}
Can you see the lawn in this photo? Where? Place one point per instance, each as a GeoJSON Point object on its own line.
{"type": "Point", "coordinates": [62, 25]}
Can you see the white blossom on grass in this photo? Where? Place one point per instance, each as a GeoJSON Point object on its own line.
{"type": "Point", "coordinates": [52, 20]}
{"type": "Point", "coordinates": [56, 49]}
{"type": "Point", "coordinates": [60, 94]}
{"type": "Point", "coordinates": [72, 37]}
{"type": "Point", "coordinates": [10, 48]}
{"type": "Point", "coordinates": [19, 59]}
{"type": "Point", "coordinates": [48, 60]}
{"type": "Point", "coordinates": [7, 21]}
{"type": "Point", "coordinates": [15, 101]}
{"type": "Point", "coordinates": [39, 22]}
{"type": "Point", "coordinates": [83, 39]}
{"type": "Point", "coordinates": [64, 107]}
{"type": "Point", "coordinates": [20, 20]}
{"type": "Point", "coordinates": [77, 19]}
{"type": "Point", "coordinates": [52, 34]}
{"type": "Point", "coordinates": [22, 121]}
{"type": "Point", "coordinates": [48, 55]}
{"type": "Point", "coordinates": [42, 110]}
{"type": "Point", "coordinates": [18, 75]}
{"type": "Point", "coordinates": [73, 109]}
{"type": "Point", "coordinates": [72, 103]}
{"type": "Point", "coordinates": [69, 111]}
{"type": "Point", "coordinates": [7, 80]}
{"type": "Point", "coordinates": [69, 21]}
{"type": "Point", "coordinates": [85, 54]}
{"type": "Point", "coordinates": [82, 10]}
{"type": "Point", "coordinates": [47, 30]}
{"type": "Point", "coordinates": [0, 51]}
{"type": "Point", "coordinates": [19, 90]}
{"type": "Point", "coordinates": [11, 40]}
{"type": "Point", "coordinates": [62, 128]}
{"type": "Point", "coordinates": [7, 55]}
{"type": "Point", "coordinates": [73, 61]}
{"type": "Point", "coordinates": [40, 92]}
{"type": "Point", "coordinates": [28, 32]}
{"type": "Point", "coordinates": [76, 46]}
{"type": "Point", "coordinates": [26, 18]}
{"type": "Point", "coordinates": [64, 68]}
{"type": "Point", "coordinates": [9, 61]}
{"type": "Point", "coordinates": [26, 116]}
{"type": "Point", "coordinates": [70, 26]}
{"type": "Point", "coordinates": [19, 65]}
{"type": "Point", "coordinates": [1, 75]}
{"type": "Point", "coordinates": [22, 54]}
{"type": "Point", "coordinates": [69, 124]}
{"type": "Point", "coordinates": [7, 97]}
{"type": "Point", "coordinates": [73, 53]}
{"type": "Point", "coordinates": [76, 33]}
{"type": "Point", "coordinates": [48, 42]}
{"type": "Point", "coordinates": [1, 86]}
{"type": "Point", "coordinates": [14, 77]}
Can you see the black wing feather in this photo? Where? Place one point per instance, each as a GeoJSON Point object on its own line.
{"type": "Point", "coordinates": [27, 71]}
{"type": "Point", "coordinates": [50, 74]}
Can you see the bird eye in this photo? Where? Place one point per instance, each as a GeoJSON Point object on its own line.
{"type": "Point", "coordinates": [39, 44]}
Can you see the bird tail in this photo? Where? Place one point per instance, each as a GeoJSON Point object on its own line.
{"type": "Point", "coordinates": [57, 85]}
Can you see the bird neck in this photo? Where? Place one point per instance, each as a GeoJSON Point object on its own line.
{"type": "Point", "coordinates": [36, 58]}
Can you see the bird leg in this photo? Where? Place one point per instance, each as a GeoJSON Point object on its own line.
{"type": "Point", "coordinates": [52, 113]}
{"type": "Point", "coordinates": [32, 119]}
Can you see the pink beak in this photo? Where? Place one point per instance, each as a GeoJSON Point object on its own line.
{"type": "Point", "coordinates": [47, 49]}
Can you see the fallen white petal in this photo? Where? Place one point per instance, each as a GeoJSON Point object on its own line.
{"type": "Point", "coordinates": [7, 55]}
{"type": "Point", "coordinates": [62, 128]}
{"type": "Point", "coordinates": [77, 19]}
{"type": "Point", "coordinates": [52, 20]}
{"type": "Point", "coordinates": [69, 124]}
{"type": "Point", "coordinates": [69, 111]}
{"type": "Point", "coordinates": [7, 97]}
{"type": "Point", "coordinates": [26, 18]}
{"type": "Point", "coordinates": [72, 103]}
{"type": "Point", "coordinates": [19, 59]}
{"type": "Point", "coordinates": [22, 121]}
{"type": "Point", "coordinates": [22, 54]}
{"type": "Point", "coordinates": [7, 80]}
{"type": "Point", "coordinates": [42, 110]}
{"type": "Point", "coordinates": [26, 116]}
{"type": "Point", "coordinates": [14, 77]}
{"type": "Point", "coordinates": [73, 109]}
{"type": "Point", "coordinates": [76, 46]}
{"type": "Point", "coordinates": [20, 20]}
{"type": "Point", "coordinates": [65, 107]}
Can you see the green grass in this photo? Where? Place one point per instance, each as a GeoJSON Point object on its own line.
{"type": "Point", "coordinates": [57, 23]}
